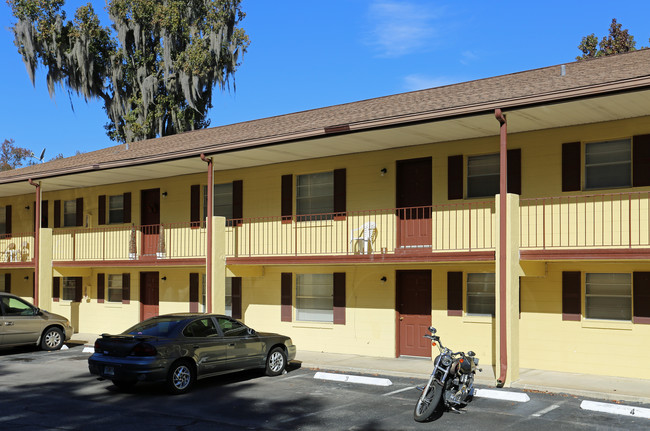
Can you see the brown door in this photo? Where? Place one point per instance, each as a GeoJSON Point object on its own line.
{"type": "Point", "coordinates": [413, 312]}
{"type": "Point", "coordinates": [148, 295]}
{"type": "Point", "coordinates": [414, 198]}
{"type": "Point", "coordinates": [150, 220]}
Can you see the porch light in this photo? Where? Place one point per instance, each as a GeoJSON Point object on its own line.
{"type": "Point", "coordinates": [27, 207]}
{"type": "Point", "coordinates": [26, 277]}
{"type": "Point", "coordinates": [164, 278]}
{"type": "Point", "coordinates": [383, 279]}
{"type": "Point", "coordinates": [383, 171]}
{"type": "Point", "coordinates": [164, 194]}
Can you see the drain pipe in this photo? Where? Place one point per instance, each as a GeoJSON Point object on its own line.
{"type": "Point", "coordinates": [37, 237]}
{"type": "Point", "coordinates": [503, 190]}
{"type": "Point", "coordinates": [208, 256]}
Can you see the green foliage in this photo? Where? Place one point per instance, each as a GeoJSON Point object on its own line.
{"type": "Point", "coordinates": [154, 68]}
{"type": "Point", "coordinates": [12, 157]}
{"type": "Point", "coordinates": [616, 42]}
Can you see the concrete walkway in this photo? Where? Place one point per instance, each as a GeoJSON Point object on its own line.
{"type": "Point", "coordinates": [582, 385]}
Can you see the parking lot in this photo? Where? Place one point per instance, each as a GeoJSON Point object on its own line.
{"type": "Point", "coordinates": [53, 390]}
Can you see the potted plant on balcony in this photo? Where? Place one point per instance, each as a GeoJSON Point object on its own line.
{"type": "Point", "coordinates": [162, 250]}
{"type": "Point", "coordinates": [133, 247]}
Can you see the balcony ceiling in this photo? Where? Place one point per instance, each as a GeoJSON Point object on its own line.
{"type": "Point", "coordinates": [358, 140]}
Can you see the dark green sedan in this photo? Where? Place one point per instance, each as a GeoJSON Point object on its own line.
{"type": "Point", "coordinates": [179, 348]}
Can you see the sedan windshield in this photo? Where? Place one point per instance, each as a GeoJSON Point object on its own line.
{"type": "Point", "coordinates": [157, 327]}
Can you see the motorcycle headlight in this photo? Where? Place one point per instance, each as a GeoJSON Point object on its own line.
{"type": "Point", "coordinates": [446, 361]}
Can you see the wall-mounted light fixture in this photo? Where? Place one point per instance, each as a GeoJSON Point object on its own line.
{"type": "Point", "coordinates": [27, 277]}
{"type": "Point", "coordinates": [164, 279]}
{"type": "Point", "coordinates": [383, 279]}
{"type": "Point", "coordinates": [27, 207]}
{"type": "Point", "coordinates": [164, 194]}
{"type": "Point", "coordinates": [383, 171]}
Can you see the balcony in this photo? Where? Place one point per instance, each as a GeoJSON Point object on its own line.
{"type": "Point", "coordinates": [616, 221]}
{"type": "Point", "coordinates": [460, 228]}
{"type": "Point", "coordinates": [135, 243]}
{"type": "Point", "coordinates": [17, 249]}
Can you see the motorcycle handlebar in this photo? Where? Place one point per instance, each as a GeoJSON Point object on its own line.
{"type": "Point", "coordinates": [440, 346]}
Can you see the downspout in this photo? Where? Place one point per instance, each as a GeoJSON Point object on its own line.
{"type": "Point", "coordinates": [208, 257]}
{"type": "Point", "coordinates": [503, 190]}
{"type": "Point", "coordinates": [37, 236]}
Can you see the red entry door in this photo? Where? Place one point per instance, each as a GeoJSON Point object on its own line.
{"type": "Point", "coordinates": [150, 220]}
{"type": "Point", "coordinates": [149, 295]}
{"type": "Point", "coordinates": [413, 199]}
{"type": "Point", "coordinates": [413, 312]}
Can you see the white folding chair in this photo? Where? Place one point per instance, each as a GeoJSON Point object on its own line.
{"type": "Point", "coordinates": [364, 236]}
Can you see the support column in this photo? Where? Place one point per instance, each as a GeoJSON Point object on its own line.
{"type": "Point", "coordinates": [37, 229]}
{"type": "Point", "coordinates": [218, 275]}
{"type": "Point", "coordinates": [209, 255]}
{"type": "Point", "coordinates": [43, 270]}
{"type": "Point", "coordinates": [508, 273]}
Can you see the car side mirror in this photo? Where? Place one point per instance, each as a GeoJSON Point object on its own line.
{"type": "Point", "coordinates": [37, 312]}
{"type": "Point", "coordinates": [251, 331]}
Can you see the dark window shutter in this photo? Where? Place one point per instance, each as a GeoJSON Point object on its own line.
{"type": "Point", "coordinates": [78, 289]}
{"type": "Point", "coordinates": [455, 177]}
{"type": "Point", "coordinates": [339, 298]}
{"type": "Point", "coordinates": [454, 294]}
{"type": "Point", "coordinates": [126, 213]}
{"type": "Point", "coordinates": [126, 288]}
{"type": "Point", "coordinates": [44, 214]}
{"type": "Point", "coordinates": [8, 282]}
{"type": "Point", "coordinates": [571, 295]}
{"type": "Point", "coordinates": [195, 204]}
{"type": "Point", "coordinates": [80, 211]}
{"type": "Point", "coordinates": [340, 198]}
{"type": "Point", "coordinates": [641, 299]}
{"type": "Point", "coordinates": [194, 292]}
{"type": "Point", "coordinates": [8, 219]}
{"type": "Point", "coordinates": [236, 298]}
{"type": "Point", "coordinates": [101, 217]}
{"type": "Point", "coordinates": [101, 283]}
{"type": "Point", "coordinates": [514, 171]}
{"type": "Point", "coordinates": [57, 213]}
{"type": "Point", "coordinates": [286, 304]}
{"type": "Point", "coordinates": [56, 288]}
{"type": "Point", "coordinates": [238, 201]}
{"type": "Point", "coordinates": [641, 161]}
{"type": "Point", "coordinates": [571, 166]}
{"type": "Point", "coordinates": [287, 198]}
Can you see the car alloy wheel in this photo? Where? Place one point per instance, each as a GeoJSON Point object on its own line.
{"type": "Point", "coordinates": [276, 362]}
{"type": "Point", "coordinates": [181, 377]}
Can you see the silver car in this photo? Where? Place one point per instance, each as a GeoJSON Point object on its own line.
{"type": "Point", "coordinates": [23, 324]}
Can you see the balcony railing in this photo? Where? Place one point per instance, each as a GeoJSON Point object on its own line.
{"type": "Point", "coordinates": [465, 226]}
{"type": "Point", "coordinates": [615, 220]}
{"type": "Point", "coordinates": [17, 247]}
{"type": "Point", "coordinates": [165, 241]}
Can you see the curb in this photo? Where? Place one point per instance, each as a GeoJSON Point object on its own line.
{"type": "Point", "coordinates": [582, 393]}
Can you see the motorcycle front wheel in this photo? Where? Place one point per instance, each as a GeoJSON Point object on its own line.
{"type": "Point", "coordinates": [427, 403]}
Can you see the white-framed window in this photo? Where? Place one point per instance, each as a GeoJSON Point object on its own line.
{"type": "Point", "coordinates": [315, 297]}
{"type": "Point", "coordinates": [68, 288]}
{"type": "Point", "coordinates": [315, 193]}
{"type": "Point", "coordinates": [608, 296]}
{"type": "Point", "coordinates": [3, 220]}
{"type": "Point", "coordinates": [483, 175]}
{"type": "Point", "coordinates": [480, 294]}
{"type": "Point", "coordinates": [114, 293]}
{"type": "Point", "coordinates": [221, 201]}
{"type": "Point", "coordinates": [608, 164]}
{"type": "Point", "coordinates": [116, 209]}
{"type": "Point", "coordinates": [70, 213]}
{"type": "Point", "coordinates": [228, 296]}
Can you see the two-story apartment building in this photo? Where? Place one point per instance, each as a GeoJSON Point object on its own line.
{"type": "Point", "coordinates": [510, 212]}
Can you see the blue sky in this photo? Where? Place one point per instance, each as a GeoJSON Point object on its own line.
{"type": "Point", "coordinates": [308, 54]}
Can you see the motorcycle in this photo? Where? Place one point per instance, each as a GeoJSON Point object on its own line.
{"type": "Point", "coordinates": [451, 384]}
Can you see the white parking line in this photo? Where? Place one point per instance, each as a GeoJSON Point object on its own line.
{"type": "Point", "coordinates": [353, 379]}
{"type": "Point", "coordinates": [398, 391]}
{"type": "Point", "coordinates": [502, 395]}
{"type": "Point", "coordinates": [546, 410]}
{"type": "Point", "coordinates": [616, 409]}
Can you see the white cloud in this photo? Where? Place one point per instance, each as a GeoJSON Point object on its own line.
{"type": "Point", "coordinates": [416, 82]}
{"type": "Point", "coordinates": [468, 57]}
{"type": "Point", "coordinates": [399, 27]}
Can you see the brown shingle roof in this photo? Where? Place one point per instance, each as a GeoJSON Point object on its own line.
{"type": "Point", "coordinates": [593, 76]}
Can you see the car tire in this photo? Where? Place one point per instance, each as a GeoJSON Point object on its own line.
{"type": "Point", "coordinates": [52, 339]}
{"type": "Point", "coordinates": [124, 385]}
{"type": "Point", "coordinates": [181, 377]}
{"type": "Point", "coordinates": [276, 362]}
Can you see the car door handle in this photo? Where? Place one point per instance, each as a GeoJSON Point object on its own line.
{"type": "Point", "coordinates": [196, 346]}
{"type": "Point", "coordinates": [231, 345]}
{"type": "Point", "coordinates": [9, 323]}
